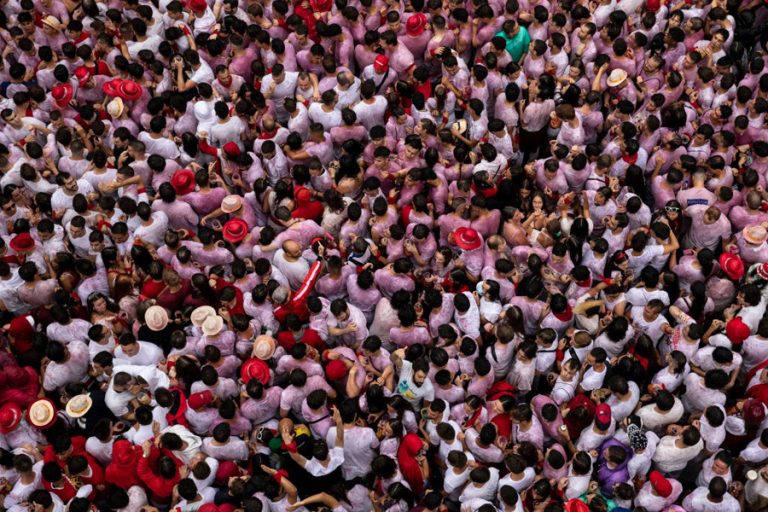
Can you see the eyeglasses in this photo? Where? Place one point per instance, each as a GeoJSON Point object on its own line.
{"type": "Point", "coordinates": [672, 208]}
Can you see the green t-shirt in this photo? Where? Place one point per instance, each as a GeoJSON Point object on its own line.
{"type": "Point", "coordinates": [518, 44]}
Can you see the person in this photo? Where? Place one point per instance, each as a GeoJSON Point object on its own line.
{"type": "Point", "coordinates": [383, 256]}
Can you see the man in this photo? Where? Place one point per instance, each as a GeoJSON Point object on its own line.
{"type": "Point", "coordinates": [137, 353]}
{"type": "Point", "coordinates": [414, 385]}
{"type": "Point", "coordinates": [517, 39]}
{"type": "Point", "coordinates": [277, 86]}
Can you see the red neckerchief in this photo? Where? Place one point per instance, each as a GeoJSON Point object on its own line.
{"type": "Point", "coordinates": [630, 159]}
{"type": "Point", "coordinates": [267, 135]}
{"type": "Point", "coordinates": [565, 315]}
{"type": "Point", "coordinates": [82, 37]}
{"type": "Point", "coordinates": [472, 419]}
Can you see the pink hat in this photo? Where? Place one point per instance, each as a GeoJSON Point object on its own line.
{"type": "Point", "coordinates": [467, 239]}
{"type": "Point", "coordinates": [381, 63]}
{"type": "Point", "coordinates": [661, 485]}
{"type": "Point", "coordinates": [732, 265]}
{"type": "Point", "coordinates": [234, 230]}
{"type": "Point", "coordinates": [603, 416]}
{"type": "Point", "coordinates": [183, 181]}
{"type": "Point", "coordinates": [129, 90]}
{"type": "Point", "coordinates": [416, 24]}
{"type": "Point", "coordinates": [336, 370]}
{"type": "Point", "coordinates": [737, 331]}
{"type": "Point", "coordinates": [62, 95]}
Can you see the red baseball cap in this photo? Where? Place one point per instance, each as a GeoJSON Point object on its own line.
{"type": "Point", "coordinates": [381, 63]}
{"type": "Point", "coordinates": [603, 416]}
{"type": "Point", "coordinates": [183, 181]}
{"type": "Point", "coordinates": [737, 331]}
{"type": "Point", "coordinates": [201, 399]}
{"type": "Point", "coordinates": [231, 149]}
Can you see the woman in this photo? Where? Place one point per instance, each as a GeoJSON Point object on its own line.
{"type": "Point", "coordinates": [125, 296]}
{"type": "Point", "coordinates": [176, 290]}
{"type": "Point", "coordinates": [153, 283]}
{"type": "Point", "coordinates": [693, 266]}
{"type": "Point", "coordinates": [104, 311]}
{"type": "Point", "coordinates": [64, 266]}
{"type": "Point", "coordinates": [413, 462]}
{"type": "Point", "coordinates": [696, 303]}
{"type": "Point", "coordinates": [672, 375]}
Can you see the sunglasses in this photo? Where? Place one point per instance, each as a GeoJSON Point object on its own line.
{"type": "Point", "coordinates": [672, 208]}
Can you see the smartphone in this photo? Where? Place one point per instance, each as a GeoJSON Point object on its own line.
{"type": "Point", "coordinates": [425, 413]}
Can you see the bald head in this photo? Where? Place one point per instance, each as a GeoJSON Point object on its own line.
{"type": "Point", "coordinates": [292, 249]}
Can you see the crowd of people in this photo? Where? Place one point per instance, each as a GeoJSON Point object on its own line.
{"type": "Point", "coordinates": [383, 255]}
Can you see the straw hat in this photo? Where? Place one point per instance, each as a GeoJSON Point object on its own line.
{"type": "Point", "coordinates": [212, 325]}
{"type": "Point", "coordinates": [616, 77]}
{"type": "Point", "coordinates": [79, 405]}
{"type": "Point", "coordinates": [156, 318]}
{"type": "Point", "coordinates": [199, 315]}
{"type": "Point", "coordinates": [52, 21]}
{"type": "Point", "coordinates": [116, 107]}
{"type": "Point", "coordinates": [264, 347]}
{"type": "Point", "coordinates": [231, 203]}
{"type": "Point", "coordinates": [42, 413]}
{"type": "Point", "coordinates": [755, 235]}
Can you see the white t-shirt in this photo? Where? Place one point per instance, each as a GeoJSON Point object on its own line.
{"type": "Point", "coordinates": [409, 390]}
